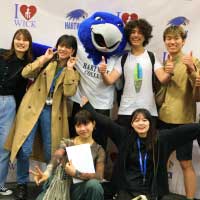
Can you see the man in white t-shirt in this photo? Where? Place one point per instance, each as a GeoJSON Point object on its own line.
{"type": "Point", "coordinates": [138, 89]}
{"type": "Point", "coordinates": [137, 93]}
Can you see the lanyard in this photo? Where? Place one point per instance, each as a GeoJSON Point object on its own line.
{"type": "Point", "coordinates": [143, 163]}
{"type": "Point", "coordinates": [55, 79]}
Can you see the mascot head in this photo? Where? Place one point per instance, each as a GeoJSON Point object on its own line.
{"type": "Point", "coordinates": [102, 34]}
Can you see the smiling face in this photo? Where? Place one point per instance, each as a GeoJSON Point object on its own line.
{"type": "Point", "coordinates": [21, 44]}
{"type": "Point", "coordinates": [85, 130]}
{"type": "Point", "coordinates": [140, 124]}
{"type": "Point", "coordinates": [64, 52]}
{"type": "Point", "coordinates": [136, 38]}
{"type": "Point", "coordinates": [174, 39]}
{"type": "Point", "coordinates": [66, 46]}
{"type": "Point", "coordinates": [174, 43]}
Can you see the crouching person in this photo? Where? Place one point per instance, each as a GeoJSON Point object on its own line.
{"type": "Point", "coordinates": [60, 171]}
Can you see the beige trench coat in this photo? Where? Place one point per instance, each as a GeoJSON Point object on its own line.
{"type": "Point", "coordinates": [33, 103]}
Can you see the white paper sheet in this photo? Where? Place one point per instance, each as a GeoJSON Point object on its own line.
{"type": "Point", "coordinates": [81, 157]}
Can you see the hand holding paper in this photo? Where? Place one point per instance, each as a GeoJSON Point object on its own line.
{"type": "Point", "coordinates": [70, 169]}
{"type": "Point", "coordinates": [81, 158]}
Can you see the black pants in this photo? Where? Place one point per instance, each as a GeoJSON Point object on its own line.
{"type": "Point", "coordinates": [184, 152]}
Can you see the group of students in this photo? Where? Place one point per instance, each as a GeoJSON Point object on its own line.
{"type": "Point", "coordinates": [143, 151]}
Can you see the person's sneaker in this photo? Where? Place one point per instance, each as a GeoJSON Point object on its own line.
{"type": "Point", "coordinates": [5, 191]}
{"type": "Point", "coordinates": [21, 192]}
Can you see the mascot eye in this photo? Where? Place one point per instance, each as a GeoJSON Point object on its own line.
{"type": "Point", "coordinates": [119, 25]}
{"type": "Point", "coordinates": [98, 19]}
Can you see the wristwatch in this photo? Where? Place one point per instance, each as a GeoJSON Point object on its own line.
{"type": "Point", "coordinates": [77, 174]}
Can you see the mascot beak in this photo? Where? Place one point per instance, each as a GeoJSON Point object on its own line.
{"type": "Point", "coordinates": [106, 37]}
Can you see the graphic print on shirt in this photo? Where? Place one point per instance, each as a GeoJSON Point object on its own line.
{"type": "Point", "coordinates": [138, 75]}
{"type": "Point", "coordinates": [91, 70]}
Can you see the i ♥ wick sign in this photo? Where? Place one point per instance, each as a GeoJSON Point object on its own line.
{"type": "Point", "coordinates": [28, 11]}
{"type": "Point", "coordinates": [129, 16]}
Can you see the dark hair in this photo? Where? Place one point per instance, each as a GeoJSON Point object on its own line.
{"type": "Point", "coordinates": [143, 26]}
{"type": "Point", "coordinates": [176, 31]}
{"type": "Point", "coordinates": [28, 56]}
{"type": "Point", "coordinates": [83, 117]}
{"type": "Point", "coordinates": [151, 133]}
{"type": "Point", "coordinates": [69, 41]}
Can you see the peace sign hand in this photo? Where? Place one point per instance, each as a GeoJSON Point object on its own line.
{"type": "Point", "coordinates": [71, 63]}
{"type": "Point", "coordinates": [39, 176]}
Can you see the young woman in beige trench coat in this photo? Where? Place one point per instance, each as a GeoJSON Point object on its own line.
{"type": "Point", "coordinates": [43, 109]}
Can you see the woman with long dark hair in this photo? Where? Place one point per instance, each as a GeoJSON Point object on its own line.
{"type": "Point", "coordinates": [141, 167]}
{"type": "Point", "coordinates": [12, 89]}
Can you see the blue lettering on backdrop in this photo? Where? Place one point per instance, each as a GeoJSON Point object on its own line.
{"type": "Point", "coordinates": [71, 25]}
{"type": "Point", "coordinates": [74, 18]}
{"type": "Point", "coordinates": [24, 23]}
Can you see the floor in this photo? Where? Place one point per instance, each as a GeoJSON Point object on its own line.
{"type": "Point", "coordinates": [33, 192]}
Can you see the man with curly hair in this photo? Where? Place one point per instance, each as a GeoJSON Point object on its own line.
{"type": "Point", "coordinates": [137, 71]}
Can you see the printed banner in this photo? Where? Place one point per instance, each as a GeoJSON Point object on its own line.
{"type": "Point", "coordinates": [47, 20]}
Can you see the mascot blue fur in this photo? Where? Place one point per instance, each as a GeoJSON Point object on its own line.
{"type": "Point", "coordinates": [102, 34]}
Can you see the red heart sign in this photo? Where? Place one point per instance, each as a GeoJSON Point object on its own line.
{"type": "Point", "coordinates": [127, 17]}
{"type": "Point", "coordinates": [28, 11]}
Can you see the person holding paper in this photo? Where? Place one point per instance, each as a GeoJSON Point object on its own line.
{"type": "Point", "coordinates": [43, 108]}
{"type": "Point", "coordinates": [141, 166]}
{"type": "Point", "coordinates": [90, 188]}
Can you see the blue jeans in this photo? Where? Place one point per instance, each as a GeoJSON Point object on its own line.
{"type": "Point", "coordinates": [44, 123]}
{"type": "Point", "coordinates": [7, 115]}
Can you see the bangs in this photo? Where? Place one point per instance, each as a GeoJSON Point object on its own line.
{"type": "Point", "coordinates": [82, 121]}
{"type": "Point", "coordinates": [21, 35]}
{"type": "Point", "coordinates": [65, 44]}
{"type": "Point", "coordinates": [141, 111]}
{"type": "Point", "coordinates": [83, 117]}
{"type": "Point", "coordinates": [176, 31]}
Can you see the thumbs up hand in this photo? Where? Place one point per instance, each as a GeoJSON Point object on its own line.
{"type": "Point", "coordinates": [103, 66]}
{"type": "Point", "coordinates": [169, 65]}
{"type": "Point", "coordinates": [197, 81]}
{"type": "Point", "coordinates": [187, 60]}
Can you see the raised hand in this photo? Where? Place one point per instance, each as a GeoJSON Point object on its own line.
{"type": "Point", "coordinates": [187, 60]}
{"type": "Point", "coordinates": [103, 66]}
{"type": "Point", "coordinates": [71, 62]}
{"type": "Point", "coordinates": [39, 176]}
{"type": "Point", "coordinates": [47, 56]}
{"type": "Point", "coordinates": [84, 100]}
{"type": "Point", "coordinates": [197, 81]}
{"type": "Point", "coordinates": [169, 65]}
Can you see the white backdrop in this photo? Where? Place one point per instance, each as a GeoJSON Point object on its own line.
{"type": "Point", "coordinates": [48, 19]}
